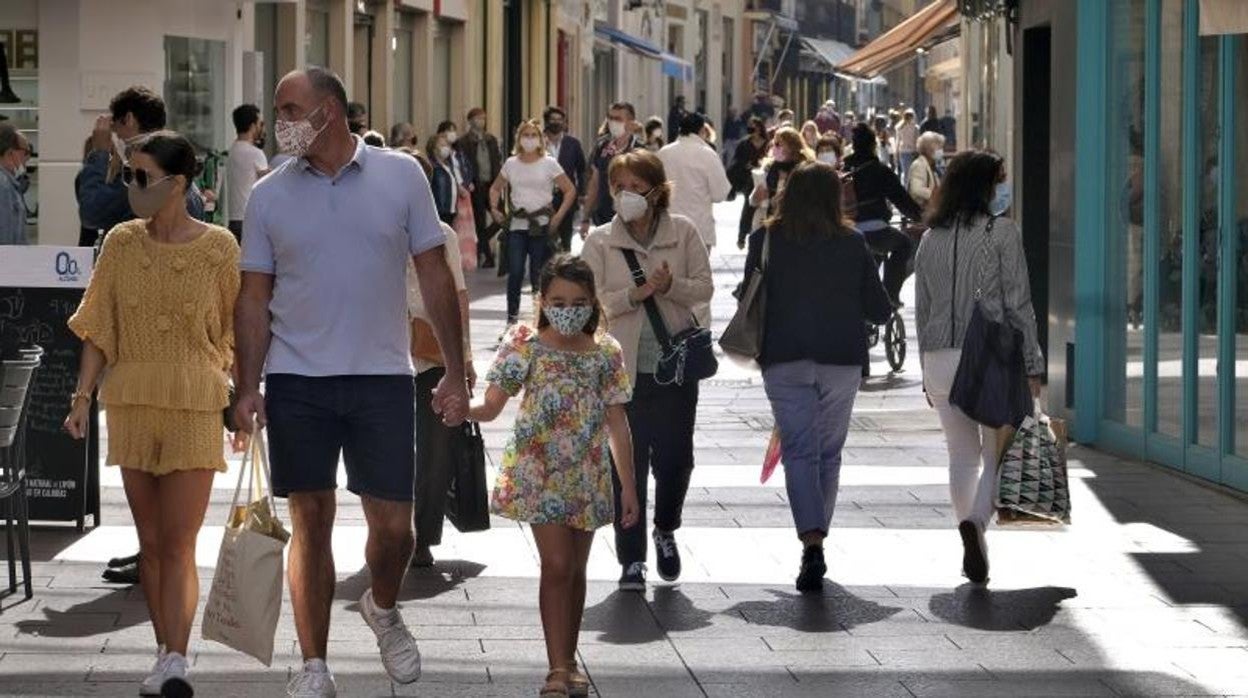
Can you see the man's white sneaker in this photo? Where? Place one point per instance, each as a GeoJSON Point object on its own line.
{"type": "Point", "coordinates": [314, 681]}
{"type": "Point", "coordinates": [175, 684]}
{"type": "Point", "coordinates": [151, 684]}
{"type": "Point", "coordinates": [398, 648]}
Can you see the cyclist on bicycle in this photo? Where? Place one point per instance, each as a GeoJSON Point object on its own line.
{"type": "Point", "coordinates": [875, 187]}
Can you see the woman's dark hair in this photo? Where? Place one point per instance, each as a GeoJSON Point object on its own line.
{"type": "Point", "coordinates": [757, 125]}
{"type": "Point", "coordinates": [446, 126]}
{"type": "Point", "coordinates": [172, 152]}
{"type": "Point", "coordinates": [651, 124]}
{"type": "Point", "coordinates": [863, 139]}
{"type": "Point", "coordinates": [966, 189]}
{"type": "Point", "coordinates": [809, 206]}
{"type": "Point", "coordinates": [147, 106]}
{"type": "Point", "coordinates": [577, 271]}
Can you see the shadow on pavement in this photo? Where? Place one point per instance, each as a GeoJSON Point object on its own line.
{"type": "Point", "coordinates": [623, 618]}
{"type": "Point", "coordinates": [1213, 571]}
{"type": "Point", "coordinates": [891, 381]}
{"type": "Point", "coordinates": [99, 616]}
{"type": "Point", "coordinates": [835, 609]}
{"type": "Point", "coordinates": [981, 608]}
{"type": "Point", "coordinates": [418, 585]}
{"type": "Point", "coordinates": [675, 611]}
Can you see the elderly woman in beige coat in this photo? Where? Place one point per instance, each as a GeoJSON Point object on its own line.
{"type": "Point", "coordinates": [922, 179]}
{"type": "Point", "coordinates": [678, 277]}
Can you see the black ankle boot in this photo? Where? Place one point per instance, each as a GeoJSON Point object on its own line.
{"type": "Point", "coordinates": [810, 577]}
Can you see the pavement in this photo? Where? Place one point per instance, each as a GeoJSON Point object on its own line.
{"type": "Point", "coordinates": [1145, 594]}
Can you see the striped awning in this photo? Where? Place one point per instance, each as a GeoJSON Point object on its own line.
{"type": "Point", "coordinates": [929, 26]}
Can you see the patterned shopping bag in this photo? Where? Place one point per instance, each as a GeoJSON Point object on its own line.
{"type": "Point", "coordinates": [1032, 484]}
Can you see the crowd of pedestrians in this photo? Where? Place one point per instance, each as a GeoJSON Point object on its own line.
{"type": "Point", "coordinates": [183, 320]}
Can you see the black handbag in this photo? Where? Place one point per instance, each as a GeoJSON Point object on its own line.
{"type": "Point", "coordinates": [689, 356]}
{"type": "Point", "coordinates": [990, 385]}
{"type": "Point", "coordinates": [467, 496]}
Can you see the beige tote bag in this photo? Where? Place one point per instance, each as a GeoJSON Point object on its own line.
{"type": "Point", "coordinates": [246, 597]}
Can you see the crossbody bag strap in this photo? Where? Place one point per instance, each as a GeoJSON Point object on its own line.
{"type": "Point", "coordinates": [652, 308]}
{"type": "Point", "coordinates": [982, 262]}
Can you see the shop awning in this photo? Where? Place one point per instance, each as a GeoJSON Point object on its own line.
{"type": "Point", "coordinates": [832, 52]}
{"type": "Point", "coordinates": [925, 28]}
{"type": "Point", "coordinates": [673, 66]}
{"type": "Point", "coordinates": [945, 70]}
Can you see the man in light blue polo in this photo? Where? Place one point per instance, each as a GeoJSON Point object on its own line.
{"type": "Point", "coordinates": [326, 238]}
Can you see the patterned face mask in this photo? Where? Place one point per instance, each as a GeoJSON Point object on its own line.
{"type": "Point", "coordinates": [569, 321]}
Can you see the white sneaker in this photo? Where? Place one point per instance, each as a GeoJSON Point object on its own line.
{"type": "Point", "coordinates": [175, 683]}
{"type": "Point", "coordinates": [151, 684]}
{"type": "Point", "coordinates": [398, 648]}
{"type": "Point", "coordinates": [312, 683]}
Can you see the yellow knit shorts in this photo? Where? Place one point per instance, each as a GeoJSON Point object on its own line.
{"type": "Point", "coordinates": [160, 441]}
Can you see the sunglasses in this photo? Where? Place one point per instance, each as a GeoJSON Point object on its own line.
{"type": "Point", "coordinates": [131, 176]}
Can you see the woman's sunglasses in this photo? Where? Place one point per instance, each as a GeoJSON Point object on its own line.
{"type": "Point", "coordinates": [131, 176]}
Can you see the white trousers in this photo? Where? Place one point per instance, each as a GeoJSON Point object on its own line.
{"type": "Point", "coordinates": [972, 447]}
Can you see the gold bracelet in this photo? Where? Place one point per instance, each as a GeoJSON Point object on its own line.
{"type": "Point", "coordinates": [78, 396]}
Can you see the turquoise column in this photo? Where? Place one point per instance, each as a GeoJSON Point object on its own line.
{"type": "Point", "coordinates": [1091, 120]}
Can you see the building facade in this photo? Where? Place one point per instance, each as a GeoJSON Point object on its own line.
{"type": "Point", "coordinates": [416, 61]}
{"type": "Point", "coordinates": [1131, 154]}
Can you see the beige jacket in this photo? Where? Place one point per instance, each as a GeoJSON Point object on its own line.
{"type": "Point", "coordinates": [676, 242]}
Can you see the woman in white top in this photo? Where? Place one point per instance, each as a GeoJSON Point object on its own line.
{"type": "Point", "coordinates": [921, 178]}
{"type": "Point", "coordinates": [529, 176]}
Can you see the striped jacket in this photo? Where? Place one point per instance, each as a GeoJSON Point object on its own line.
{"type": "Point", "coordinates": [945, 297]}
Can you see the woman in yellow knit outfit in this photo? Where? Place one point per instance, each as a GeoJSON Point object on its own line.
{"type": "Point", "coordinates": [157, 330]}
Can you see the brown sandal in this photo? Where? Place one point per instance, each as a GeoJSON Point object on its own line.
{"type": "Point", "coordinates": [578, 683]}
{"type": "Point", "coordinates": [556, 684]}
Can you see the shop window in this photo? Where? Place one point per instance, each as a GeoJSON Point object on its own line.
{"type": "Point", "coordinates": [1125, 221]}
{"type": "Point", "coordinates": [21, 54]}
{"type": "Point", "coordinates": [440, 80]}
{"type": "Point", "coordinates": [316, 43]}
{"type": "Point", "coordinates": [195, 90]}
{"type": "Point", "coordinates": [1240, 132]}
{"type": "Point", "coordinates": [1169, 400]}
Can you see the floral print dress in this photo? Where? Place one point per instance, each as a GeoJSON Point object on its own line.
{"type": "Point", "coordinates": [557, 465]}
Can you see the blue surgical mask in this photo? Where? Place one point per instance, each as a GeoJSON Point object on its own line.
{"type": "Point", "coordinates": [569, 321]}
{"type": "Point", "coordinates": [1001, 198]}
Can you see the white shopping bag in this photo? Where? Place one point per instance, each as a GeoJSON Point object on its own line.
{"type": "Point", "coordinates": [246, 597]}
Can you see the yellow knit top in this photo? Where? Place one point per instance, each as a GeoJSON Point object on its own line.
{"type": "Point", "coordinates": [163, 314]}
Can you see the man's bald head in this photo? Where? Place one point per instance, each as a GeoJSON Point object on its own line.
{"type": "Point", "coordinates": [300, 92]}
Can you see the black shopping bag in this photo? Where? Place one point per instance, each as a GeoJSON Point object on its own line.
{"type": "Point", "coordinates": [467, 497]}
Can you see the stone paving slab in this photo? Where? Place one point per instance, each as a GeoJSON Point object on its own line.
{"type": "Point", "coordinates": [1143, 595]}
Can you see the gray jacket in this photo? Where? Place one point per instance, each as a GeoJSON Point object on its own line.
{"type": "Point", "coordinates": [994, 264]}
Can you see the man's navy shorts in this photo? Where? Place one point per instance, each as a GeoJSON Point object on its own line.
{"type": "Point", "coordinates": [369, 420]}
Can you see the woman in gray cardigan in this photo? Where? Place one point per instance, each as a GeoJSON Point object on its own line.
{"type": "Point", "coordinates": [970, 248]}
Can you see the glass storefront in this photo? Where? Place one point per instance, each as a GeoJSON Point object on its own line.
{"type": "Point", "coordinates": [401, 47]}
{"type": "Point", "coordinates": [21, 105]}
{"type": "Point", "coordinates": [1170, 295]}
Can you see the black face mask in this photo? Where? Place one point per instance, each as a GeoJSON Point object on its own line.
{"type": "Point", "coordinates": [260, 141]}
{"type": "Point", "coordinates": [554, 128]}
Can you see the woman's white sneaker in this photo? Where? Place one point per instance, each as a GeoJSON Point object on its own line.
{"type": "Point", "coordinates": [175, 683]}
{"type": "Point", "coordinates": [151, 684]}
{"type": "Point", "coordinates": [399, 654]}
{"type": "Point", "coordinates": [314, 681]}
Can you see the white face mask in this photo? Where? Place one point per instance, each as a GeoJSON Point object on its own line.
{"type": "Point", "coordinates": [295, 137]}
{"type": "Point", "coordinates": [451, 137]}
{"type": "Point", "coordinates": [444, 152]}
{"type": "Point", "coordinates": [631, 205]}
{"type": "Point", "coordinates": [829, 157]}
{"type": "Point", "coordinates": [616, 127]}
{"type": "Point", "coordinates": [529, 144]}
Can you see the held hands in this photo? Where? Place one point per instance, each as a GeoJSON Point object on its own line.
{"type": "Point", "coordinates": [497, 215]}
{"type": "Point", "coordinates": [1034, 383]}
{"type": "Point", "coordinates": [629, 508]}
{"type": "Point", "coordinates": [450, 399]}
{"type": "Point", "coordinates": [585, 228]}
{"type": "Point", "coordinates": [78, 419]}
{"type": "Point", "coordinates": [249, 414]}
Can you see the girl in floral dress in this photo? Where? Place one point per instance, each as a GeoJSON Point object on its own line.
{"type": "Point", "coordinates": [556, 470]}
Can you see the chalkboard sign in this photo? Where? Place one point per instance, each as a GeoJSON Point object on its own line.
{"type": "Point", "coordinates": [40, 288]}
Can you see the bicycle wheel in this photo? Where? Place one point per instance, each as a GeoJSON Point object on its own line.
{"type": "Point", "coordinates": [895, 341]}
